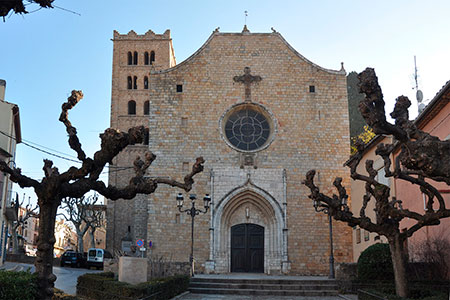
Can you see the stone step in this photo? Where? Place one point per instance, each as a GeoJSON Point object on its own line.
{"type": "Point", "coordinates": [308, 293]}
{"type": "Point", "coordinates": [260, 286]}
{"type": "Point", "coordinates": [266, 281]}
{"type": "Point", "coordinates": [263, 286]}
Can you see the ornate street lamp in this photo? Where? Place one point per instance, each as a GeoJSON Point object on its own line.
{"type": "Point", "coordinates": [323, 207]}
{"type": "Point", "coordinates": [193, 212]}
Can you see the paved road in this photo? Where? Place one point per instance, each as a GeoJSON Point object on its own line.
{"type": "Point", "coordinates": [66, 276]}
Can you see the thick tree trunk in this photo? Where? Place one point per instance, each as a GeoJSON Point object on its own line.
{"type": "Point", "coordinates": [15, 240]}
{"type": "Point", "coordinates": [80, 235]}
{"type": "Point", "coordinates": [398, 253]}
{"type": "Point", "coordinates": [46, 241]}
{"type": "Point", "coordinates": [92, 235]}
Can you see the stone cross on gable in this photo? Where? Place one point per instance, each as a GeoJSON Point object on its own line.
{"type": "Point", "coordinates": [247, 79]}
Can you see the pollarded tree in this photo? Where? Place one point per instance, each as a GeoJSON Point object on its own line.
{"type": "Point", "coordinates": [422, 156]}
{"type": "Point", "coordinates": [18, 6]}
{"type": "Point", "coordinates": [77, 181]}
{"type": "Point", "coordinates": [77, 211]}
{"type": "Point", "coordinates": [22, 219]}
{"type": "Point", "coordinates": [97, 220]}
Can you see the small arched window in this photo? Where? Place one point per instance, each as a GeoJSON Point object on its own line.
{"type": "Point", "coordinates": [147, 108]}
{"type": "Point", "coordinates": [131, 107]}
{"type": "Point", "coordinates": [135, 82]}
{"type": "Point", "coordinates": [129, 83]}
{"type": "Point", "coordinates": [146, 82]}
{"type": "Point", "coordinates": [152, 57]}
{"type": "Point", "coordinates": [130, 58]}
{"type": "Point", "coordinates": [135, 61]}
{"type": "Point", "coordinates": [146, 58]}
{"type": "Point", "coordinates": [146, 137]}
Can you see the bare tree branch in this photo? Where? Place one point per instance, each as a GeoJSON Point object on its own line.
{"type": "Point", "coordinates": [17, 177]}
{"type": "Point", "coordinates": [77, 181]}
{"type": "Point", "coordinates": [421, 157]}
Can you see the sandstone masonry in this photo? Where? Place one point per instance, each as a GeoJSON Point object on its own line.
{"type": "Point", "coordinates": [188, 107]}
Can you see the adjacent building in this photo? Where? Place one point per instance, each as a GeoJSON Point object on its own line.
{"type": "Point", "coordinates": [10, 135]}
{"type": "Point", "coordinates": [434, 119]}
{"type": "Point", "coordinates": [65, 238]}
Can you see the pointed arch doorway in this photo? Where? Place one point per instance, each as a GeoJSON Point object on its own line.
{"type": "Point", "coordinates": [250, 205]}
{"type": "Point", "coordinates": [247, 248]}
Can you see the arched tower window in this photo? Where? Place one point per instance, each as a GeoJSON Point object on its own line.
{"type": "Point", "coordinates": [152, 57]}
{"type": "Point", "coordinates": [146, 82]}
{"type": "Point", "coordinates": [131, 107]}
{"type": "Point", "coordinates": [135, 82]}
{"type": "Point", "coordinates": [135, 58]}
{"type": "Point", "coordinates": [130, 58]}
{"type": "Point", "coordinates": [147, 108]}
{"type": "Point", "coordinates": [146, 58]}
{"type": "Point", "coordinates": [146, 138]}
{"type": "Point", "coordinates": [129, 83]}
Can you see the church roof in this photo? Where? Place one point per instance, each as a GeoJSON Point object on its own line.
{"type": "Point", "coordinates": [246, 32]}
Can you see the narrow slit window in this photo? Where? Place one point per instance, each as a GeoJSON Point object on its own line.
{"type": "Point", "coordinates": [146, 138]}
{"type": "Point", "coordinates": [146, 58]}
{"type": "Point", "coordinates": [135, 58]}
{"type": "Point", "coordinates": [146, 108]}
{"type": "Point", "coordinates": [312, 88]}
{"type": "Point", "coordinates": [179, 88]}
{"type": "Point", "coordinates": [184, 122]}
{"type": "Point", "coordinates": [146, 82]}
{"type": "Point", "coordinates": [152, 57]}
{"type": "Point", "coordinates": [135, 82]}
{"type": "Point", "coordinates": [129, 83]}
{"type": "Point", "coordinates": [131, 107]}
{"type": "Point", "coordinates": [130, 58]}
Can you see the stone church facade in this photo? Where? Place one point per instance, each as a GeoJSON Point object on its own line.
{"type": "Point", "coordinates": [261, 115]}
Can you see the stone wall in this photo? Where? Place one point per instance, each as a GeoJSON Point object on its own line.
{"type": "Point", "coordinates": [310, 131]}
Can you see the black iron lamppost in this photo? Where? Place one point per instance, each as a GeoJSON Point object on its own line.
{"type": "Point", "coordinates": [319, 207]}
{"type": "Point", "coordinates": [193, 212]}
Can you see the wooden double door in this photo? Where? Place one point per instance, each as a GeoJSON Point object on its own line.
{"type": "Point", "coordinates": [247, 248]}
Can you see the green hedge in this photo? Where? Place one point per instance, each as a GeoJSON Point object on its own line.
{"type": "Point", "coordinates": [375, 263]}
{"type": "Point", "coordinates": [18, 285]}
{"type": "Point", "coordinates": [414, 294]}
{"type": "Point", "coordinates": [105, 286]}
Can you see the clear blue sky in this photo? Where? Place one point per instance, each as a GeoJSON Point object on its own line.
{"type": "Point", "coordinates": [46, 54]}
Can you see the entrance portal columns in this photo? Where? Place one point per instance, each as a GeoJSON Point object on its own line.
{"type": "Point", "coordinates": [248, 204]}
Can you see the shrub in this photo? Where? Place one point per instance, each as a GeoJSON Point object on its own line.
{"type": "Point", "coordinates": [434, 251]}
{"type": "Point", "coordinates": [375, 263]}
{"type": "Point", "coordinates": [104, 286]}
{"type": "Point", "coordinates": [414, 294]}
{"type": "Point", "coordinates": [18, 285]}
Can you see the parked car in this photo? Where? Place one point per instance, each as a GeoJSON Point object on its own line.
{"type": "Point", "coordinates": [96, 256]}
{"type": "Point", "coordinates": [72, 258]}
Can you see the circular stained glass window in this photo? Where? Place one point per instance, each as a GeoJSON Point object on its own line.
{"type": "Point", "coordinates": [247, 129]}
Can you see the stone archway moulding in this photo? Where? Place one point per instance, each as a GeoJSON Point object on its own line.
{"type": "Point", "coordinates": [267, 212]}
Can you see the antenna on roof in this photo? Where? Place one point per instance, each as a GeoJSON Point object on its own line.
{"type": "Point", "coordinates": [419, 94]}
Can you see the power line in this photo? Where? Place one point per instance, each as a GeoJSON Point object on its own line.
{"type": "Point", "coordinates": [41, 150]}
{"type": "Point", "coordinates": [68, 10]}
{"type": "Point", "coordinates": [28, 143]}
